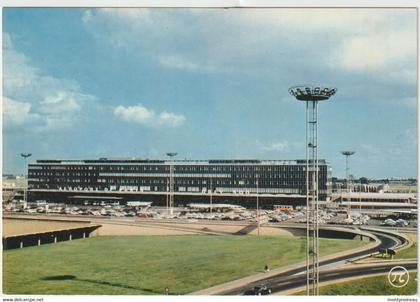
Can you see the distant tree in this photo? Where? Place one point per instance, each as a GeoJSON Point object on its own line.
{"type": "Point", "coordinates": [364, 180]}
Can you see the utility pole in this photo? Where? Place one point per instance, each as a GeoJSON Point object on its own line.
{"type": "Point", "coordinates": [360, 198]}
{"type": "Point", "coordinates": [25, 176]}
{"type": "Point", "coordinates": [171, 181]}
{"type": "Point", "coordinates": [211, 195]}
{"type": "Point", "coordinates": [167, 195]}
{"type": "Point", "coordinates": [258, 208]}
{"type": "Point", "coordinates": [347, 154]}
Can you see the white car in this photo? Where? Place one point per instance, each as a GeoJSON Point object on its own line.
{"type": "Point", "coordinates": [390, 222]}
{"type": "Point", "coordinates": [401, 223]}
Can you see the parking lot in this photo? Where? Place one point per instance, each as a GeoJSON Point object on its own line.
{"type": "Point", "coordinates": [195, 212]}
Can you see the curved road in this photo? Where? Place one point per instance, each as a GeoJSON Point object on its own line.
{"type": "Point", "coordinates": [294, 282]}
{"type": "Point", "coordinates": [297, 277]}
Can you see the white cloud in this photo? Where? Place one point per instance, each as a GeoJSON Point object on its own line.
{"type": "Point", "coordinates": [246, 40]}
{"type": "Point", "coordinates": [171, 119]}
{"type": "Point", "coordinates": [60, 102]}
{"type": "Point", "coordinates": [278, 146]}
{"type": "Point", "coordinates": [16, 113]}
{"type": "Point", "coordinates": [87, 16]}
{"type": "Point", "coordinates": [371, 149]}
{"type": "Point", "coordinates": [44, 102]}
{"type": "Point", "coordinates": [410, 102]}
{"type": "Point", "coordinates": [177, 62]}
{"type": "Point", "coordinates": [147, 117]}
{"type": "Point", "coordinates": [379, 51]}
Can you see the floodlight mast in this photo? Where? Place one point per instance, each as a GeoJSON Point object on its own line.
{"type": "Point", "coordinates": [171, 182]}
{"type": "Point", "coordinates": [312, 95]}
{"type": "Point", "coordinates": [347, 154]}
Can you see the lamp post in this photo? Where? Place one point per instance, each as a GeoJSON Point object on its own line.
{"type": "Point", "coordinates": [347, 154]}
{"type": "Point", "coordinates": [171, 181]}
{"type": "Point", "coordinates": [258, 207]}
{"type": "Point", "coordinates": [167, 195]}
{"type": "Point", "coordinates": [311, 96]}
{"type": "Point", "coordinates": [25, 187]}
{"type": "Point", "coordinates": [211, 195]}
{"type": "Point", "coordinates": [360, 198]}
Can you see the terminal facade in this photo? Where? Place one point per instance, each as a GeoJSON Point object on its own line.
{"type": "Point", "coordinates": [122, 180]}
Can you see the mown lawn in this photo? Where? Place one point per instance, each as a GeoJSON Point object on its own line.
{"type": "Point", "coordinates": [409, 253]}
{"type": "Point", "coordinates": [143, 265]}
{"type": "Point", "coordinates": [371, 286]}
{"type": "Point", "coordinates": [403, 188]}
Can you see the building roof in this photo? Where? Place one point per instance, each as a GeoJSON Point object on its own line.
{"type": "Point", "coordinates": [175, 161]}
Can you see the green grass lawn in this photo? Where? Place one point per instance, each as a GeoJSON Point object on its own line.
{"type": "Point", "coordinates": [147, 264]}
{"type": "Point", "coordinates": [409, 253]}
{"type": "Point", "coordinates": [403, 188]}
{"type": "Point", "coordinates": [370, 286]}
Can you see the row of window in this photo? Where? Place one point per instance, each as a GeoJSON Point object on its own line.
{"type": "Point", "coordinates": [177, 175]}
{"type": "Point", "coordinates": [238, 184]}
{"type": "Point", "coordinates": [216, 190]}
{"type": "Point", "coordinates": [198, 168]}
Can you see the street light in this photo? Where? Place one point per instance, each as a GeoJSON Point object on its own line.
{"type": "Point", "coordinates": [25, 157]}
{"type": "Point", "coordinates": [258, 208]}
{"type": "Point", "coordinates": [171, 181]}
{"type": "Point", "coordinates": [167, 195]}
{"type": "Point", "coordinates": [347, 154]}
{"type": "Point", "coordinates": [211, 195]}
{"type": "Point", "coordinates": [360, 198]}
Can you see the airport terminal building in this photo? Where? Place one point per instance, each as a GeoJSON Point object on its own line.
{"type": "Point", "coordinates": [224, 181]}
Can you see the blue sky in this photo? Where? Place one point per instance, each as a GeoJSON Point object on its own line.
{"type": "Point", "coordinates": [210, 83]}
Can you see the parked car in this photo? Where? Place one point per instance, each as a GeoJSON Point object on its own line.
{"type": "Point", "coordinates": [401, 223]}
{"type": "Point", "coordinates": [390, 222]}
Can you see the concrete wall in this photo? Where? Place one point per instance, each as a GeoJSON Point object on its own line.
{"type": "Point", "coordinates": [46, 238]}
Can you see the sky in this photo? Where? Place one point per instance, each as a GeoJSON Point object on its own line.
{"type": "Point", "coordinates": [83, 83]}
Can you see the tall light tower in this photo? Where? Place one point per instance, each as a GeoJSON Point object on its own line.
{"type": "Point", "coordinates": [25, 188]}
{"type": "Point", "coordinates": [312, 95]}
{"type": "Point", "coordinates": [347, 154]}
{"type": "Point", "coordinates": [171, 181]}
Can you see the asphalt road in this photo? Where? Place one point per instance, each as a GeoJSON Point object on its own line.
{"type": "Point", "coordinates": [296, 277]}
{"type": "Point", "coordinates": [300, 280]}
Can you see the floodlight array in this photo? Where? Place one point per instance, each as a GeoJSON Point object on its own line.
{"type": "Point", "coordinates": [309, 93]}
